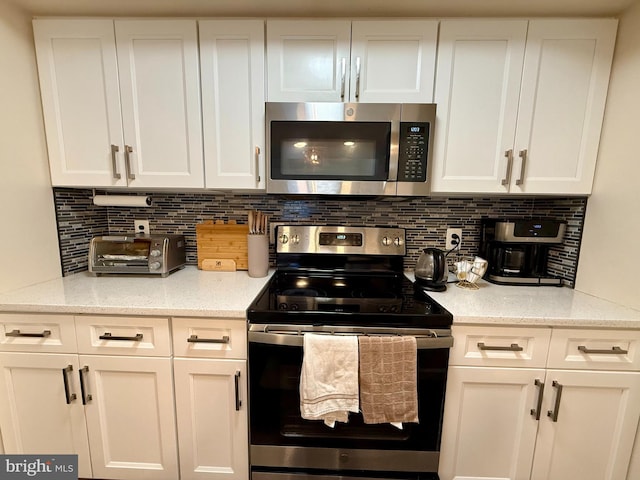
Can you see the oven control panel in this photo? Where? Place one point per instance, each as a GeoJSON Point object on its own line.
{"type": "Point", "coordinates": [340, 240]}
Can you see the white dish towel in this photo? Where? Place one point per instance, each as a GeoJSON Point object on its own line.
{"type": "Point", "coordinates": [329, 378]}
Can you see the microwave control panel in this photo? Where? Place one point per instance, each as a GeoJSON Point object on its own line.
{"type": "Point", "coordinates": [412, 155]}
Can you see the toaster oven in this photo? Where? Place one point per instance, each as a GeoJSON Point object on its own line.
{"type": "Point", "coordinates": [136, 254]}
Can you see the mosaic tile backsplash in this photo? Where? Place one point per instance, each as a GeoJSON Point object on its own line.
{"type": "Point", "coordinates": [424, 218]}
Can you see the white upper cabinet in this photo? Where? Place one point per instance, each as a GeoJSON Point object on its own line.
{"type": "Point", "coordinates": [564, 91]}
{"type": "Point", "coordinates": [78, 71]}
{"type": "Point", "coordinates": [393, 61]}
{"type": "Point", "coordinates": [477, 91]}
{"type": "Point", "coordinates": [160, 90]}
{"type": "Point", "coordinates": [340, 60]}
{"type": "Point", "coordinates": [307, 60]}
{"type": "Point", "coordinates": [121, 102]}
{"type": "Point", "coordinates": [232, 70]}
{"type": "Point", "coordinates": [520, 104]}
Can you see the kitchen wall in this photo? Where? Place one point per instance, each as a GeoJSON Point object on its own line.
{"type": "Point", "coordinates": [425, 219]}
{"type": "Point", "coordinates": [608, 266]}
{"type": "Point", "coordinates": [28, 244]}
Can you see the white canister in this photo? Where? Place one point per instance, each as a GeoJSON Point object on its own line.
{"type": "Point", "coordinates": [258, 255]}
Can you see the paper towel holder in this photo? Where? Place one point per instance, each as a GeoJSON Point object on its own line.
{"type": "Point", "coordinates": [122, 200]}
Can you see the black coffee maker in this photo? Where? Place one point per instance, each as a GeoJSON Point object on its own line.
{"type": "Point", "coordinates": [517, 250]}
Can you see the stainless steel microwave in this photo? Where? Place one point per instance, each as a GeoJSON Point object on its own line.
{"type": "Point", "coordinates": [349, 148]}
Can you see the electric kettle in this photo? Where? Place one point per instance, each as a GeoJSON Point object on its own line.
{"type": "Point", "coordinates": [431, 271]}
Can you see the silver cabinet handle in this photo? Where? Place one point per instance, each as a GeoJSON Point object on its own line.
{"type": "Point", "coordinates": [556, 408]}
{"type": "Point", "coordinates": [108, 336]}
{"type": "Point", "coordinates": [127, 161]}
{"type": "Point", "coordinates": [514, 347]}
{"type": "Point", "coordinates": [343, 64]}
{"type": "Point", "coordinates": [195, 339]}
{"type": "Point", "coordinates": [86, 396]}
{"type": "Point", "coordinates": [70, 397]}
{"type": "Point", "coordinates": [507, 174]}
{"type": "Point", "coordinates": [614, 350]}
{"type": "Point", "coordinates": [114, 163]}
{"type": "Point", "coordinates": [523, 156]}
{"type": "Point", "coordinates": [237, 385]}
{"type": "Point", "coordinates": [357, 77]}
{"type": "Point", "coordinates": [257, 155]}
{"type": "Point", "coordinates": [18, 333]}
{"type": "Point", "coordinates": [535, 412]}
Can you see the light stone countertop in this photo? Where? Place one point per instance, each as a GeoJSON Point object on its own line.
{"type": "Point", "coordinates": [533, 306]}
{"type": "Point", "coordinates": [194, 293]}
{"type": "Point", "coordinates": [187, 293]}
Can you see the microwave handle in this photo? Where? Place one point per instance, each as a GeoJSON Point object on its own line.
{"type": "Point", "coordinates": [357, 78]}
{"type": "Point", "coordinates": [343, 76]}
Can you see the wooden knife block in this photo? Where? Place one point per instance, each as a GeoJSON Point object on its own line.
{"type": "Point", "coordinates": [219, 242]}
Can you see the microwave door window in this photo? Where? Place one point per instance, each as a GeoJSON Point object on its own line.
{"type": "Point", "coordinates": [330, 150]}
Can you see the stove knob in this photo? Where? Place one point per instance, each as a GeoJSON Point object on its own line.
{"type": "Point", "coordinates": [294, 306]}
{"type": "Point", "coordinates": [284, 239]}
{"type": "Point", "coordinates": [397, 242]}
{"type": "Point", "coordinates": [382, 309]}
{"type": "Point", "coordinates": [394, 308]}
{"type": "Point", "coordinates": [295, 239]}
{"type": "Point", "coordinates": [155, 253]}
{"type": "Point", "coordinates": [282, 306]}
{"type": "Point", "coordinates": [386, 241]}
{"type": "Point", "coordinates": [154, 265]}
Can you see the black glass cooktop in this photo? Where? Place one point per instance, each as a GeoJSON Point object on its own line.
{"type": "Point", "coordinates": [379, 299]}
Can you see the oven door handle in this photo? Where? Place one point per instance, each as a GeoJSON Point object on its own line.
{"type": "Point", "coordinates": [294, 339]}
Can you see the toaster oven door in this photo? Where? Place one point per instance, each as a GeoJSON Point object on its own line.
{"type": "Point", "coordinates": [120, 255]}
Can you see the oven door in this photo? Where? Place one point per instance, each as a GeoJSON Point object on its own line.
{"type": "Point", "coordinates": [281, 440]}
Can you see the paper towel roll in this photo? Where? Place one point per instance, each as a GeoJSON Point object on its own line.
{"type": "Point", "coordinates": [122, 200]}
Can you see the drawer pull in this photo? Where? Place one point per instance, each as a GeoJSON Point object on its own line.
{"type": "Point", "coordinates": [614, 350]}
{"type": "Point", "coordinates": [86, 396]}
{"type": "Point", "coordinates": [108, 336]}
{"type": "Point", "coordinates": [195, 339]}
{"type": "Point", "coordinates": [70, 397]}
{"type": "Point", "coordinates": [556, 408]}
{"type": "Point", "coordinates": [514, 347]}
{"type": "Point", "coordinates": [18, 333]}
{"type": "Point", "coordinates": [237, 385]}
{"type": "Point", "coordinates": [535, 412]}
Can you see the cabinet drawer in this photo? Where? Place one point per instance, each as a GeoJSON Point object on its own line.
{"type": "Point", "coordinates": [500, 346]}
{"type": "Point", "coordinates": [209, 337]}
{"type": "Point", "coordinates": [595, 349]}
{"type": "Point", "coordinates": [145, 336]}
{"type": "Point", "coordinates": [37, 333]}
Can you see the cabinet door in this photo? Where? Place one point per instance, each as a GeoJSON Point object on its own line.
{"type": "Point", "coordinates": [212, 418]}
{"type": "Point", "coordinates": [78, 74]}
{"type": "Point", "coordinates": [593, 434]}
{"type": "Point", "coordinates": [232, 65]}
{"type": "Point", "coordinates": [488, 429]}
{"type": "Point", "coordinates": [130, 417]}
{"type": "Point", "coordinates": [393, 61]}
{"type": "Point", "coordinates": [308, 60]}
{"type": "Point", "coordinates": [160, 91]}
{"type": "Point", "coordinates": [564, 89]}
{"type": "Point", "coordinates": [477, 88]}
{"type": "Point", "coordinates": [36, 417]}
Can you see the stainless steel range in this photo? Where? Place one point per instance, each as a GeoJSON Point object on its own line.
{"type": "Point", "coordinates": [341, 280]}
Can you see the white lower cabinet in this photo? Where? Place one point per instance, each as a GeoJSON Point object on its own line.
{"type": "Point", "coordinates": [37, 414]}
{"type": "Point", "coordinates": [210, 372]}
{"type": "Point", "coordinates": [486, 434]}
{"type": "Point", "coordinates": [116, 412]}
{"type": "Point", "coordinates": [130, 417]}
{"type": "Point", "coordinates": [507, 418]}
